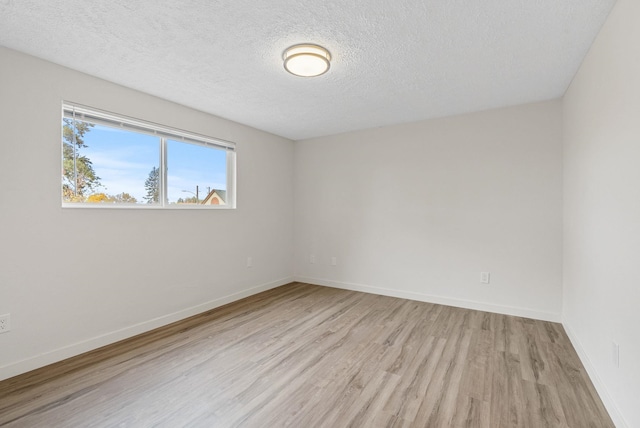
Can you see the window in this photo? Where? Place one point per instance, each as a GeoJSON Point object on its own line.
{"type": "Point", "coordinates": [116, 161]}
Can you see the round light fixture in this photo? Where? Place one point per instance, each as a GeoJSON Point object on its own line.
{"type": "Point", "coordinates": [306, 60]}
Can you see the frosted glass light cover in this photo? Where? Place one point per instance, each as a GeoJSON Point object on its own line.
{"type": "Point", "coordinates": [306, 60]}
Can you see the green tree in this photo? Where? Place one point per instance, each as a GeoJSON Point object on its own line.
{"type": "Point", "coordinates": [79, 179]}
{"type": "Point", "coordinates": [152, 184]}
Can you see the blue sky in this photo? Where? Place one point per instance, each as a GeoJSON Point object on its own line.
{"type": "Point", "coordinates": [123, 160]}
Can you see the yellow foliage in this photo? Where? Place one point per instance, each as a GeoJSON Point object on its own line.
{"type": "Point", "coordinates": [98, 197]}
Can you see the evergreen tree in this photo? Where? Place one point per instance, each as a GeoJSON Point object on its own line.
{"type": "Point", "coordinates": [152, 184]}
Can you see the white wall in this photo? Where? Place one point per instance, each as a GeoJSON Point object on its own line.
{"type": "Point", "coordinates": [75, 279]}
{"type": "Point", "coordinates": [602, 211]}
{"type": "Point", "coordinates": [419, 210]}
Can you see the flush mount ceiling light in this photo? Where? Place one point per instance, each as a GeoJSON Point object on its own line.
{"type": "Point", "coordinates": [306, 60]}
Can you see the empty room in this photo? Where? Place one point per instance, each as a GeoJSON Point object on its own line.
{"type": "Point", "coordinates": [320, 214]}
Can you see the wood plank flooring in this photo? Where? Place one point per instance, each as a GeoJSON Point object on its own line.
{"type": "Point", "coordinates": [309, 356]}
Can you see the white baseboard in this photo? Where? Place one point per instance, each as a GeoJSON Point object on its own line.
{"type": "Point", "coordinates": [23, 366]}
{"type": "Point", "coordinates": [459, 303]}
{"type": "Point", "coordinates": [615, 414]}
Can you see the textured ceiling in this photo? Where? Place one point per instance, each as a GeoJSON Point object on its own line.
{"type": "Point", "coordinates": [394, 61]}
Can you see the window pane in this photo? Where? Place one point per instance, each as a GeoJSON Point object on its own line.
{"type": "Point", "coordinates": [196, 174]}
{"type": "Point", "coordinates": [108, 165]}
{"type": "Point", "coordinates": [115, 161]}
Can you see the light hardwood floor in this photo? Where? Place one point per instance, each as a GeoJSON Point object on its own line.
{"type": "Point", "coordinates": [309, 356]}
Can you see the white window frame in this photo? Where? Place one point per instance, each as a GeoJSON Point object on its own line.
{"type": "Point", "coordinates": [80, 112]}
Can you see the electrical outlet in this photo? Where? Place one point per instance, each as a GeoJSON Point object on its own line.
{"type": "Point", "coordinates": [249, 261]}
{"type": "Point", "coordinates": [312, 258]}
{"type": "Point", "coordinates": [334, 261]}
{"type": "Point", "coordinates": [5, 323]}
{"type": "Point", "coordinates": [484, 277]}
{"type": "Point", "coordinates": [616, 354]}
